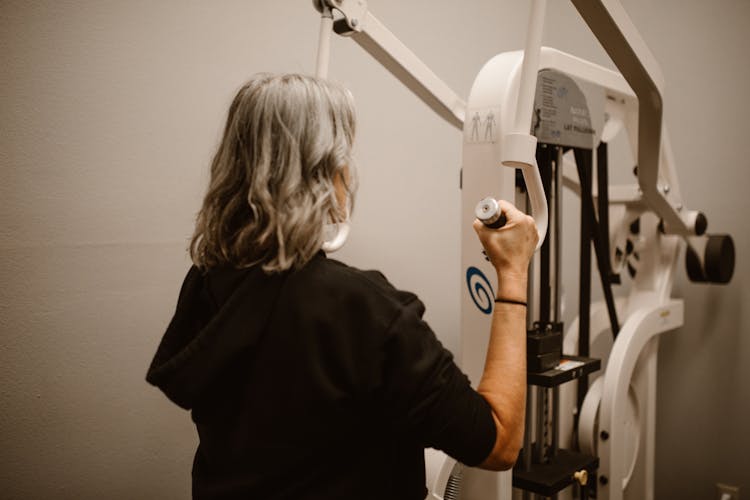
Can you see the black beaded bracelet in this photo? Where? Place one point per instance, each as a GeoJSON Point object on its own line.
{"type": "Point", "coordinates": [511, 301]}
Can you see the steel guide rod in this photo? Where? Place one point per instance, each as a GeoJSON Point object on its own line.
{"type": "Point", "coordinates": [556, 249]}
{"type": "Point", "coordinates": [583, 162]}
{"type": "Point", "coordinates": [527, 438]}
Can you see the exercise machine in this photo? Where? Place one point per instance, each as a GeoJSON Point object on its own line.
{"type": "Point", "coordinates": [550, 116]}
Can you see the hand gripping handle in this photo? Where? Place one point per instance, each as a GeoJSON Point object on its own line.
{"type": "Point", "coordinates": [489, 213]}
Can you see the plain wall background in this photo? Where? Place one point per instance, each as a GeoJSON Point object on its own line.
{"type": "Point", "coordinates": [110, 113]}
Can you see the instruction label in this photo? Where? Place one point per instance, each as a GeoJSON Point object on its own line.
{"type": "Point", "coordinates": [561, 112]}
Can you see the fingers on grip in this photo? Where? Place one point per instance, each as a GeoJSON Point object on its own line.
{"type": "Point", "coordinates": [496, 213]}
{"type": "Point", "coordinates": [510, 211]}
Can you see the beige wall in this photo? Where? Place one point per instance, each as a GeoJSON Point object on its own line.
{"type": "Point", "coordinates": [110, 112]}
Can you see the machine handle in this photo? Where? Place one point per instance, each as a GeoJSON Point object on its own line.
{"type": "Point", "coordinates": [539, 209]}
{"type": "Point", "coordinates": [488, 211]}
{"type": "Point", "coordinates": [519, 147]}
{"type": "Point", "coordinates": [324, 39]}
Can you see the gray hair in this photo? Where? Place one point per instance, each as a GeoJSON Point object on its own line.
{"type": "Point", "coordinates": [286, 139]}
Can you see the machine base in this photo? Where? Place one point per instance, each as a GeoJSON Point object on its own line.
{"type": "Point", "coordinates": [548, 479]}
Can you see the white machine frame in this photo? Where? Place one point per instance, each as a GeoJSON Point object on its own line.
{"type": "Point", "coordinates": [622, 401]}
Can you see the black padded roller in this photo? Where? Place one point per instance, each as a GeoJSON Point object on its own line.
{"type": "Point", "coordinates": [719, 261]}
{"type": "Point", "coordinates": [717, 264]}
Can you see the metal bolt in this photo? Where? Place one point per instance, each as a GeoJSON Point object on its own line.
{"type": "Point", "coordinates": [665, 188]}
{"type": "Point", "coordinates": [354, 22]}
{"type": "Point", "coordinates": [604, 435]}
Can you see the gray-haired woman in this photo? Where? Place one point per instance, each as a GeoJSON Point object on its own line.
{"type": "Point", "coordinates": [308, 378]}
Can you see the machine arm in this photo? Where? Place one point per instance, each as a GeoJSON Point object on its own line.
{"type": "Point", "coordinates": [618, 36]}
{"type": "Point", "coordinates": [379, 42]}
{"type": "Point", "coordinates": [358, 23]}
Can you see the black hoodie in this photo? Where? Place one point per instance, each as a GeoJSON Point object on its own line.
{"type": "Point", "coordinates": [318, 383]}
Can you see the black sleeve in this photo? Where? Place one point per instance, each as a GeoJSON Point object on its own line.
{"type": "Point", "coordinates": [426, 395]}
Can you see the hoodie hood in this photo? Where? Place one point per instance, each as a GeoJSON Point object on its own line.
{"type": "Point", "coordinates": [220, 315]}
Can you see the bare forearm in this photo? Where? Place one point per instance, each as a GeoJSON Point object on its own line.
{"type": "Point", "coordinates": [503, 382]}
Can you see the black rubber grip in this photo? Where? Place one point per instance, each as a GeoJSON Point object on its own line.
{"type": "Point", "coordinates": [500, 222]}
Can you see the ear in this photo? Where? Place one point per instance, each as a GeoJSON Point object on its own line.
{"type": "Point", "coordinates": [342, 233]}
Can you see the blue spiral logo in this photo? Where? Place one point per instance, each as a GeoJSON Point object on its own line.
{"type": "Point", "coordinates": [480, 289]}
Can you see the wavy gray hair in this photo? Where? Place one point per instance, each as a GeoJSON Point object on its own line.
{"type": "Point", "coordinates": [287, 139]}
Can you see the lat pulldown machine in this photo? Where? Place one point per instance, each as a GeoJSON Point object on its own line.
{"type": "Point", "coordinates": [550, 115]}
